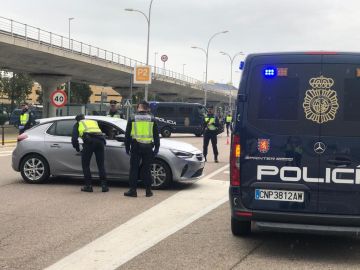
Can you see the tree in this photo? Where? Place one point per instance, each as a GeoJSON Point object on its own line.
{"type": "Point", "coordinates": [17, 87]}
{"type": "Point", "coordinates": [80, 93]}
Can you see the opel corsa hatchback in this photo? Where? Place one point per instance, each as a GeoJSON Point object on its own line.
{"type": "Point", "coordinates": [295, 157]}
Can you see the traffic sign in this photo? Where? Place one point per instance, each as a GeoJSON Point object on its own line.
{"type": "Point", "coordinates": [127, 103]}
{"type": "Point", "coordinates": [164, 58]}
{"type": "Point", "coordinates": [142, 75]}
{"type": "Point", "coordinates": [58, 98]}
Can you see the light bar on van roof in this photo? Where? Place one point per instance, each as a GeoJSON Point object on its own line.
{"type": "Point", "coordinates": [270, 72]}
{"type": "Point", "coordinates": [282, 72]}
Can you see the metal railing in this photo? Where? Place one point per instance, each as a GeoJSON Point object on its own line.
{"type": "Point", "coordinates": [42, 37]}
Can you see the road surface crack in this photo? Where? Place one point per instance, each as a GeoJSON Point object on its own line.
{"type": "Point", "coordinates": [247, 255]}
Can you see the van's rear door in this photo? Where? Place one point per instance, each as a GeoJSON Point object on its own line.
{"type": "Point", "coordinates": [277, 140]}
{"type": "Point", "coordinates": [340, 133]}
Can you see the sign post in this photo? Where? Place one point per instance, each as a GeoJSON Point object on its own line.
{"type": "Point", "coordinates": [164, 58]}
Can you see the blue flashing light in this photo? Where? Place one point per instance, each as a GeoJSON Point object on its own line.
{"type": "Point", "coordinates": [270, 72]}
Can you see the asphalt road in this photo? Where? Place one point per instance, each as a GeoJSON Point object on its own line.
{"type": "Point", "coordinates": [42, 224]}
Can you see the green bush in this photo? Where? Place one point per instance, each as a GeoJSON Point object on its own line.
{"type": "Point", "coordinates": [3, 119]}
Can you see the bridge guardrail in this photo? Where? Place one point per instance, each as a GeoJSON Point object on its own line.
{"type": "Point", "coordinates": [37, 35]}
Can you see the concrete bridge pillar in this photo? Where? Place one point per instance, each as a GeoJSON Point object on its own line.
{"type": "Point", "coordinates": [49, 83]}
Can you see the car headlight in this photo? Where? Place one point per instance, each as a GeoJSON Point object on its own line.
{"type": "Point", "coordinates": [181, 154]}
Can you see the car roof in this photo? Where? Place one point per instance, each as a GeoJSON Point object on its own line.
{"type": "Point", "coordinates": [116, 121]}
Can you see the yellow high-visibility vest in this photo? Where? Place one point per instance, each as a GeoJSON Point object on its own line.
{"type": "Point", "coordinates": [24, 118]}
{"type": "Point", "coordinates": [228, 119]}
{"type": "Point", "coordinates": [210, 123]}
{"type": "Point", "coordinates": [88, 126]}
{"type": "Point", "coordinates": [142, 128]}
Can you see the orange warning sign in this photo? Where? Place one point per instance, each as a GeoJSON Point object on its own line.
{"type": "Point", "coordinates": [142, 75]}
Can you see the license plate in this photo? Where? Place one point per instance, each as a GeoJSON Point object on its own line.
{"type": "Point", "coordinates": [279, 195]}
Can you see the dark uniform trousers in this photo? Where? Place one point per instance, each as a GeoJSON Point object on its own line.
{"type": "Point", "coordinates": [210, 136]}
{"type": "Point", "coordinates": [92, 145]}
{"type": "Point", "coordinates": [144, 153]}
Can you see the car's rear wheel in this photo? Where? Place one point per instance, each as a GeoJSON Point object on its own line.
{"type": "Point", "coordinates": [166, 132]}
{"type": "Point", "coordinates": [240, 228]}
{"type": "Point", "coordinates": [34, 169]}
{"type": "Point", "coordinates": [160, 174]}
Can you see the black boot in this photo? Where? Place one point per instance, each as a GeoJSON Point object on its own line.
{"type": "Point", "coordinates": [149, 193]}
{"type": "Point", "coordinates": [87, 189]}
{"type": "Point", "coordinates": [205, 159]}
{"type": "Point", "coordinates": [216, 159]}
{"type": "Point", "coordinates": [130, 193]}
{"type": "Point", "coordinates": [104, 187]}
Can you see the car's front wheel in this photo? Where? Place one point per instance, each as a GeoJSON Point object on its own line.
{"type": "Point", "coordinates": [166, 132]}
{"type": "Point", "coordinates": [34, 169]}
{"type": "Point", "coordinates": [160, 174]}
{"type": "Point", "coordinates": [240, 228]}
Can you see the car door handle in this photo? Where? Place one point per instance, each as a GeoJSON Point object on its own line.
{"type": "Point", "coordinates": [55, 145]}
{"type": "Point", "coordinates": [339, 162]}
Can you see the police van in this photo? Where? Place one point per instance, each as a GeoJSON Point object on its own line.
{"type": "Point", "coordinates": [178, 117]}
{"type": "Point", "coordinates": [295, 150]}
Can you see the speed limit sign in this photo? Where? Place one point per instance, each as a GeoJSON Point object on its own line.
{"type": "Point", "coordinates": [58, 98]}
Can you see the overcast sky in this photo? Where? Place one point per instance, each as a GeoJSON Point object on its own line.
{"type": "Point", "coordinates": [253, 25]}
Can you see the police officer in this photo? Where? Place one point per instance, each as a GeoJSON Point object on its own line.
{"type": "Point", "coordinates": [25, 118]}
{"type": "Point", "coordinates": [211, 125]}
{"type": "Point", "coordinates": [114, 112]}
{"type": "Point", "coordinates": [94, 142]}
{"type": "Point", "coordinates": [228, 120]}
{"type": "Point", "coordinates": [142, 142]}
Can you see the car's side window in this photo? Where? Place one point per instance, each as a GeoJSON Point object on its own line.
{"type": "Point", "coordinates": [110, 131]}
{"type": "Point", "coordinates": [62, 128]}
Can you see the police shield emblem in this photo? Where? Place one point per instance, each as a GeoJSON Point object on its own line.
{"type": "Point", "coordinates": [263, 145]}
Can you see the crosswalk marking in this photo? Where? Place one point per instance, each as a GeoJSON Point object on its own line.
{"type": "Point", "coordinates": [149, 228]}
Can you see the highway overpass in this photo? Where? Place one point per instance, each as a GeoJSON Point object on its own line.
{"type": "Point", "coordinates": [54, 59]}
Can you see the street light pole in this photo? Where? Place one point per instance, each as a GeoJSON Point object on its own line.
{"type": "Point", "coordinates": [184, 69]}
{"type": "Point", "coordinates": [156, 53]}
{"type": "Point", "coordinates": [148, 20]}
{"type": "Point", "coordinates": [231, 72]}
{"type": "Point", "coordinates": [207, 60]}
{"type": "Point", "coordinates": [69, 83]}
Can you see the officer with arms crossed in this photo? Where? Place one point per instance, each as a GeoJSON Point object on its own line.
{"type": "Point", "coordinates": [26, 118]}
{"type": "Point", "coordinates": [94, 142]}
{"type": "Point", "coordinates": [114, 112]}
{"type": "Point", "coordinates": [142, 142]}
{"type": "Point", "coordinates": [211, 126]}
{"type": "Point", "coordinates": [228, 120]}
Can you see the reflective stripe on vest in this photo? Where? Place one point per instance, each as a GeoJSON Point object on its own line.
{"type": "Point", "coordinates": [24, 118]}
{"type": "Point", "coordinates": [210, 123]}
{"type": "Point", "coordinates": [88, 126]}
{"type": "Point", "coordinates": [228, 119]}
{"type": "Point", "coordinates": [142, 128]}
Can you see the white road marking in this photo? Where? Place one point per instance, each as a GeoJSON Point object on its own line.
{"type": "Point", "coordinates": [5, 153]}
{"type": "Point", "coordinates": [227, 172]}
{"type": "Point", "coordinates": [140, 233]}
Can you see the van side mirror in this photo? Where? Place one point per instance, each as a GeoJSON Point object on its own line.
{"type": "Point", "coordinates": [120, 138]}
{"type": "Point", "coordinates": [242, 98]}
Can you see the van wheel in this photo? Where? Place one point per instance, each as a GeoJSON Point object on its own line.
{"type": "Point", "coordinates": [240, 228]}
{"type": "Point", "coordinates": [199, 134]}
{"type": "Point", "coordinates": [166, 132]}
{"type": "Point", "coordinates": [34, 169]}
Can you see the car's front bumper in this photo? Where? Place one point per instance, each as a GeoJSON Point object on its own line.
{"type": "Point", "coordinates": [188, 170]}
{"type": "Point", "coordinates": [15, 160]}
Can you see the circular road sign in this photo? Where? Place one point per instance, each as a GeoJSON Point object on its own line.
{"type": "Point", "coordinates": [164, 58]}
{"type": "Point", "coordinates": [58, 98]}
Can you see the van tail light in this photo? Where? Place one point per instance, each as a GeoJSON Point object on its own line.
{"type": "Point", "coordinates": [235, 161]}
{"type": "Point", "coordinates": [22, 137]}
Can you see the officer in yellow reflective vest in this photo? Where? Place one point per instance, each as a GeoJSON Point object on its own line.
{"type": "Point", "coordinates": [25, 118]}
{"type": "Point", "coordinates": [114, 112]}
{"type": "Point", "coordinates": [94, 142]}
{"type": "Point", "coordinates": [211, 125]}
{"type": "Point", "coordinates": [228, 120]}
{"type": "Point", "coordinates": [142, 143]}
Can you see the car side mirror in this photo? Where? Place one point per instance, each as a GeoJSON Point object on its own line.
{"type": "Point", "coordinates": [120, 138]}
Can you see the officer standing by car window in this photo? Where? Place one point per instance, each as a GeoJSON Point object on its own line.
{"type": "Point", "coordinates": [114, 112]}
{"type": "Point", "coordinates": [211, 126]}
{"type": "Point", "coordinates": [94, 142]}
{"type": "Point", "coordinates": [228, 121]}
{"type": "Point", "coordinates": [142, 142]}
{"type": "Point", "coordinates": [26, 118]}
